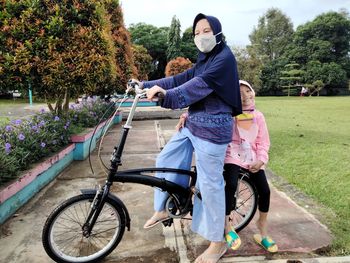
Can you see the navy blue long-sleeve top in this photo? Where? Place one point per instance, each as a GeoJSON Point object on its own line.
{"type": "Point", "coordinates": [209, 116]}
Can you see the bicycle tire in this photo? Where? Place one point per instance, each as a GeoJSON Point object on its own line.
{"type": "Point", "coordinates": [246, 204]}
{"type": "Point", "coordinates": [63, 238]}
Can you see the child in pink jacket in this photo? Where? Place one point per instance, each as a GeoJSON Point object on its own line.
{"type": "Point", "coordinates": [249, 150]}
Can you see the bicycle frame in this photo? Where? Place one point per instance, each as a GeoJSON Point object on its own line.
{"type": "Point", "coordinates": [137, 176]}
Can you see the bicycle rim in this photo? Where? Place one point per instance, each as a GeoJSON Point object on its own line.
{"type": "Point", "coordinates": [246, 205]}
{"type": "Point", "coordinates": [66, 238]}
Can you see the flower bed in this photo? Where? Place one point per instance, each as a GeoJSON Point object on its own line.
{"type": "Point", "coordinates": [17, 193]}
{"type": "Point", "coordinates": [26, 141]}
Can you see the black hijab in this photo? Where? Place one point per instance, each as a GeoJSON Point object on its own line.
{"type": "Point", "coordinates": [218, 68]}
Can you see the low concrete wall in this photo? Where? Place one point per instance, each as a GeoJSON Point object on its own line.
{"type": "Point", "coordinates": [18, 193]}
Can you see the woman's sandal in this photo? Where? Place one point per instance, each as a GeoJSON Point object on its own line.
{"type": "Point", "coordinates": [154, 221]}
{"type": "Point", "coordinates": [232, 239]}
{"type": "Point", "coordinates": [267, 243]}
{"type": "Point", "coordinates": [212, 258]}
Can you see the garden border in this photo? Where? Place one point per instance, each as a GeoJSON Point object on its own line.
{"type": "Point", "coordinates": [31, 182]}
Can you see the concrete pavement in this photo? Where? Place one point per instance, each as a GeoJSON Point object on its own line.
{"type": "Point", "coordinates": [298, 233]}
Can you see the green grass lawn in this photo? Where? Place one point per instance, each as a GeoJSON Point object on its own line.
{"type": "Point", "coordinates": [310, 147]}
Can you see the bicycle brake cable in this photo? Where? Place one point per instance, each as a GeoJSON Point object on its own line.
{"type": "Point", "coordinates": [102, 164]}
{"type": "Point", "coordinates": [93, 134]}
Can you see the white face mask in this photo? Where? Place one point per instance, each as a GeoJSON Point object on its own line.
{"type": "Point", "coordinates": [206, 42]}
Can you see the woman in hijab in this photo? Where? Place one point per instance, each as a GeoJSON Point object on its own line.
{"type": "Point", "coordinates": [211, 90]}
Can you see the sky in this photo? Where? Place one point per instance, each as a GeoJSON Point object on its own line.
{"type": "Point", "coordinates": [238, 17]}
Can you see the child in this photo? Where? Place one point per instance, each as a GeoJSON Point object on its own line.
{"type": "Point", "coordinates": [249, 150]}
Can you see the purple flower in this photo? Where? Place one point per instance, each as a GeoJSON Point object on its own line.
{"type": "Point", "coordinates": [42, 110]}
{"type": "Point", "coordinates": [42, 123]}
{"type": "Point", "coordinates": [8, 128]}
{"type": "Point", "coordinates": [67, 125]}
{"type": "Point", "coordinates": [17, 122]}
{"type": "Point", "coordinates": [34, 128]}
{"type": "Point", "coordinates": [56, 118]}
{"type": "Point", "coordinates": [42, 144]}
{"type": "Point", "coordinates": [7, 148]}
{"type": "Point", "coordinates": [21, 137]}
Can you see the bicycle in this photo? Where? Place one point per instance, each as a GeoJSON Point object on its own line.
{"type": "Point", "coordinates": [89, 226]}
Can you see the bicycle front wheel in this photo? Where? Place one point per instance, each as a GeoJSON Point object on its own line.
{"type": "Point", "coordinates": [63, 237]}
{"type": "Point", "coordinates": [246, 203]}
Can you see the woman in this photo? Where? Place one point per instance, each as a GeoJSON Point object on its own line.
{"type": "Point", "coordinates": [211, 90]}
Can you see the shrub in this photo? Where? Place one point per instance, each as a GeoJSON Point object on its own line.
{"type": "Point", "coordinates": [64, 48]}
{"type": "Point", "coordinates": [25, 141]}
{"type": "Point", "coordinates": [177, 66]}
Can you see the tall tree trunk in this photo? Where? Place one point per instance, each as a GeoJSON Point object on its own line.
{"type": "Point", "coordinates": [49, 105]}
{"type": "Point", "coordinates": [66, 101]}
{"type": "Point", "coordinates": [58, 106]}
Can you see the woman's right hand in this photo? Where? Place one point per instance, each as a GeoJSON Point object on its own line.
{"type": "Point", "coordinates": [152, 92]}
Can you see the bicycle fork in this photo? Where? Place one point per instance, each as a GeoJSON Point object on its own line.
{"type": "Point", "coordinates": [96, 208]}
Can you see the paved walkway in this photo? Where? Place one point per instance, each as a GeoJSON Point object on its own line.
{"type": "Point", "coordinates": [296, 231]}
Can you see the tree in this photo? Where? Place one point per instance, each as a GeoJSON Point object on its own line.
{"type": "Point", "coordinates": [273, 33]}
{"type": "Point", "coordinates": [155, 41]}
{"type": "Point", "coordinates": [143, 62]}
{"type": "Point", "coordinates": [325, 39]}
{"type": "Point", "coordinates": [323, 47]}
{"type": "Point", "coordinates": [271, 75]}
{"type": "Point", "coordinates": [64, 48]}
{"type": "Point", "coordinates": [121, 41]}
{"type": "Point", "coordinates": [249, 66]}
{"type": "Point", "coordinates": [315, 87]}
{"type": "Point", "coordinates": [331, 75]}
{"type": "Point", "coordinates": [177, 66]}
{"type": "Point", "coordinates": [174, 40]}
{"type": "Point", "coordinates": [188, 47]}
{"type": "Point", "coordinates": [291, 77]}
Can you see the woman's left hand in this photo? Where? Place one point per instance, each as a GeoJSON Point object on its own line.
{"type": "Point", "coordinates": [255, 167]}
{"type": "Point", "coordinates": [152, 92]}
{"type": "Point", "coordinates": [181, 122]}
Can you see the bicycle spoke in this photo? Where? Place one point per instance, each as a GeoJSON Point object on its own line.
{"type": "Point", "coordinates": [63, 237]}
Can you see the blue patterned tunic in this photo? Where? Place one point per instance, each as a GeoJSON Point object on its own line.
{"type": "Point", "coordinates": [209, 116]}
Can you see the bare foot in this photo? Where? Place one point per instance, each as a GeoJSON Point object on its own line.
{"type": "Point", "coordinates": [213, 253]}
{"type": "Point", "coordinates": [262, 228]}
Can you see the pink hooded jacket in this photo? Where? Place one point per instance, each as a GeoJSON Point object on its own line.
{"type": "Point", "coordinates": [250, 139]}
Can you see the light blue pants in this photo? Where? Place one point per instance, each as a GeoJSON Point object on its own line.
{"type": "Point", "coordinates": [209, 213]}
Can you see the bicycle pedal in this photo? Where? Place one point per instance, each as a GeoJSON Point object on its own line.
{"type": "Point", "coordinates": [168, 222]}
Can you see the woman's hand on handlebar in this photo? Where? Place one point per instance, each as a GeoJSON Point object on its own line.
{"type": "Point", "coordinates": [153, 92]}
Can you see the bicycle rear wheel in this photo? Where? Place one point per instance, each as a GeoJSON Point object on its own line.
{"type": "Point", "coordinates": [63, 237]}
{"type": "Point", "coordinates": [246, 203]}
